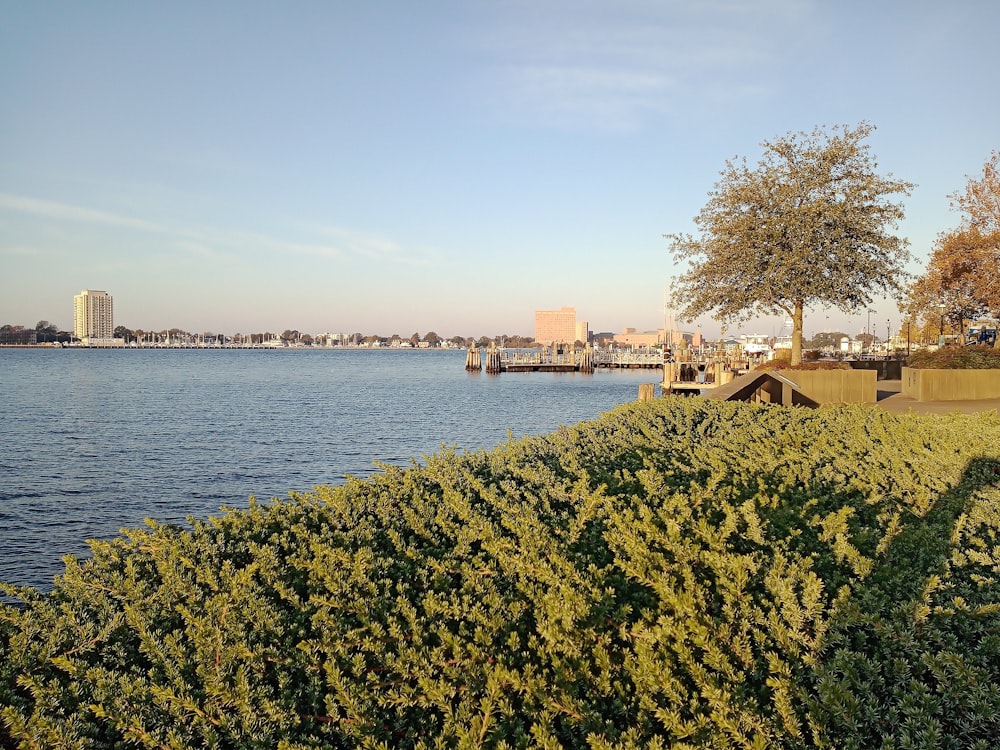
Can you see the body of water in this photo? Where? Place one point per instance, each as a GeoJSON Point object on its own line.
{"type": "Point", "coordinates": [93, 441]}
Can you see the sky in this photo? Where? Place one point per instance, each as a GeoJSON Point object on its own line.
{"type": "Point", "coordinates": [395, 167]}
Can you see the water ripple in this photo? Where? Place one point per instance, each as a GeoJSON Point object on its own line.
{"type": "Point", "coordinates": [119, 436]}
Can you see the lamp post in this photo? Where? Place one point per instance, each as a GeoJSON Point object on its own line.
{"type": "Point", "coordinates": [887, 337]}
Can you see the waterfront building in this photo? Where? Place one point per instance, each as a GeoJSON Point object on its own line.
{"type": "Point", "coordinates": [632, 337]}
{"type": "Point", "coordinates": [93, 317]}
{"type": "Point", "coordinates": [556, 326]}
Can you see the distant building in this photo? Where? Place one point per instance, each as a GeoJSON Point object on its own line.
{"type": "Point", "coordinates": [93, 317]}
{"type": "Point", "coordinates": [632, 337]}
{"type": "Point", "coordinates": [555, 326]}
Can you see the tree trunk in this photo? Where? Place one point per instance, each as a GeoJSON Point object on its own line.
{"type": "Point", "coordinates": [797, 334]}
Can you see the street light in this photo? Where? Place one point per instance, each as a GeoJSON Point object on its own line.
{"type": "Point", "coordinates": [887, 337]}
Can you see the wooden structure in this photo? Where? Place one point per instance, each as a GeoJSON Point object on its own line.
{"type": "Point", "coordinates": [473, 360]}
{"type": "Point", "coordinates": [555, 360]}
{"type": "Point", "coordinates": [493, 360]}
{"type": "Point", "coordinates": [765, 387]}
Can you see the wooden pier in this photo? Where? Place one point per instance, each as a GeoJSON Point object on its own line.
{"type": "Point", "coordinates": [498, 360]}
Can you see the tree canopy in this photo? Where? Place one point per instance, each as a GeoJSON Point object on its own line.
{"type": "Point", "coordinates": [980, 202]}
{"type": "Point", "coordinates": [810, 225]}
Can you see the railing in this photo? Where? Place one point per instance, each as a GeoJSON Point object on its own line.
{"type": "Point", "coordinates": [597, 358]}
{"type": "Point", "coordinates": [625, 358]}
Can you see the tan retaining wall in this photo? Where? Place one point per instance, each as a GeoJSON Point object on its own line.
{"type": "Point", "coordinates": [836, 386]}
{"type": "Point", "coordinates": [950, 385]}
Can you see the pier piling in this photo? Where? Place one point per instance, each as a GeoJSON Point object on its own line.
{"type": "Point", "coordinates": [493, 360]}
{"type": "Point", "coordinates": [473, 360]}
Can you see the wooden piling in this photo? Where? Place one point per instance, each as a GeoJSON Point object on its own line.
{"type": "Point", "coordinates": [647, 391]}
{"type": "Point", "coordinates": [493, 360]}
{"type": "Point", "coordinates": [473, 361]}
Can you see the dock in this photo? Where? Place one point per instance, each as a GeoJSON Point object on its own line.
{"type": "Point", "coordinates": [498, 360]}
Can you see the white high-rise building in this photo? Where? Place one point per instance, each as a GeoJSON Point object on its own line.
{"type": "Point", "coordinates": [93, 316]}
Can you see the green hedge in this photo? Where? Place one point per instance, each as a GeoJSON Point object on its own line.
{"type": "Point", "coordinates": [677, 573]}
{"type": "Point", "coordinates": [957, 358]}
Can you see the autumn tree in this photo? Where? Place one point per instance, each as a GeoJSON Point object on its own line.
{"type": "Point", "coordinates": [980, 202]}
{"type": "Point", "coordinates": [810, 225]}
{"type": "Point", "coordinates": [961, 282]}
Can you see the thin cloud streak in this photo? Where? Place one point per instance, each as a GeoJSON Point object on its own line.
{"type": "Point", "coordinates": [588, 68]}
{"type": "Point", "coordinates": [20, 251]}
{"type": "Point", "coordinates": [208, 242]}
{"type": "Point", "coordinates": [65, 212]}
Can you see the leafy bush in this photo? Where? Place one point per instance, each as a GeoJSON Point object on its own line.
{"type": "Point", "coordinates": [957, 358]}
{"type": "Point", "coordinates": [779, 364]}
{"type": "Point", "coordinates": [678, 573]}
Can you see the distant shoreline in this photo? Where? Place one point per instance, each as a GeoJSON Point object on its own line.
{"type": "Point", "coordinates": [259, 347]}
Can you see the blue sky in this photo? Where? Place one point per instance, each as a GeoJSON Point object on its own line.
{"type": "Point", "coordinates": [398, 167]}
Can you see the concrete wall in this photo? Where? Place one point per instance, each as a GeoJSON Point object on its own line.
{"type": "Point", "coordinates": [887, 369]}
{"type": "Point", "coordinates": [950, 385]}
{"type": "Point", "coordinates": [836, 386]}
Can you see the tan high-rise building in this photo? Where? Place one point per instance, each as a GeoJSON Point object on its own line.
{"type": "Point", "coordinates": [93, 316]}
{"type": "Point", "coordinates": [555, 326]}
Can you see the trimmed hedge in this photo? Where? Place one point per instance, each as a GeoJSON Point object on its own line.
{"type": "Point", "coordinates": [782, 364]}
{"type": "Point", "coordinates": [957, 358]}
{"type": "Point", "coordinates": [677, 573]}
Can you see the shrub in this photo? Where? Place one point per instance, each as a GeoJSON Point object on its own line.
{"type": "Point", "coordinates": [777, 364]}
{"type": "Point", "coordinates": [678, 573]}
{"type": "Point", "coordinates": [957, 358]}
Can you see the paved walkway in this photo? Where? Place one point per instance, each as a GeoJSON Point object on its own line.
{"type": "Point", "coordinates": [891, 399]}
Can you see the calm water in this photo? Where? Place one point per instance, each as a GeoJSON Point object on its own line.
{"type": "Point", "coordinates": [93, 441]}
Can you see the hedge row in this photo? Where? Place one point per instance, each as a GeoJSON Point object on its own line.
{"type": "Point", "coordinates": [677, 573]}
{"type": "Point", "coordinates": [957, 358]}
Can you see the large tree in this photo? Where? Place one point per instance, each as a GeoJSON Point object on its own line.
{"type": "Point", "coordinates": [810, 225]}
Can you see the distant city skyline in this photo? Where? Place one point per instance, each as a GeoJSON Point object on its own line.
{"type": "Point", "coordinates": [451, 167]}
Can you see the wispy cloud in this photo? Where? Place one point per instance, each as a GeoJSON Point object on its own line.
{"type": "Point", "coordinates": [368, 245]}
{"type": "Point", "coordinates": [66, 212]}
{"type": "Point", "coordinates": [224, 243]}
{"type": "Point", "coordinates": [20, 251]}
{"type": "Point", "coordinates": [611, 65]}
